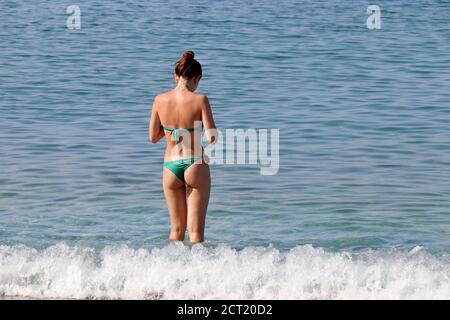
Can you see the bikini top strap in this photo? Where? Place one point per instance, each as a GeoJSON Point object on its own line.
{"type": "Point", "coordinates": [175, 132]}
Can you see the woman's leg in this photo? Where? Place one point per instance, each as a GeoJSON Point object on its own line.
{"type": "Point", "coordinates": [198, 182]}
{"type": "Point", "coordinates": [175, 193]}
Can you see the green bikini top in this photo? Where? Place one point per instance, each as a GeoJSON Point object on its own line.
{"type": "Point", "coordinates": [175, 132]}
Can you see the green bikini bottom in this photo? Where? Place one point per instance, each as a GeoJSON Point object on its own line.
{"type": "Point", "coordinates": [178, 167]}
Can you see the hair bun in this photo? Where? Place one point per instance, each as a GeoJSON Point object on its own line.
{"type": "Point", "coordinates": [188, 55]}
{"type": "Point", "coordinates": [187, 66]}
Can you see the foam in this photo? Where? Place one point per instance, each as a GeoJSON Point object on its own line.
{"type": "Point", "coordinates": [177, 271]}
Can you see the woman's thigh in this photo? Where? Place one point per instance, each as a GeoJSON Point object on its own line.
{"type": "Point", "coordinates": [175, 194]}
{"type": "Point", "coordinates": [198, 180]}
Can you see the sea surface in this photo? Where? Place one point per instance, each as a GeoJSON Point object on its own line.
{"type": "Point", "coordinates": [360, 205]}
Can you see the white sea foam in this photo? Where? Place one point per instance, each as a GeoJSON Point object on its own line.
{"type": "Point", "coordinates": [179, 272]}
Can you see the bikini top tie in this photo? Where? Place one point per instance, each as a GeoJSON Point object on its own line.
{"type": "Point", "coordinates": [176, 132]}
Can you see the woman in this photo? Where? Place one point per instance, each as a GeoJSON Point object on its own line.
{"type": "Point", "coordinates": [179, 115]}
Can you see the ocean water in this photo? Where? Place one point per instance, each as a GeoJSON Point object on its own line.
{"type": "Point", "coordinates": [360, 206]}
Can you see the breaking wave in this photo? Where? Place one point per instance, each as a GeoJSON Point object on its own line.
{"type": "Point", "coordinates": [177, 271]}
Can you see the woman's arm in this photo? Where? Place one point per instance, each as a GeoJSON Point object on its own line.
{"type": "Point", "coordinates": [208, 122]}
{"type": "Point", "coordinates": [155, 131]}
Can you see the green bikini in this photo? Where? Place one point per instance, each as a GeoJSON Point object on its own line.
{"type": "Point", "coordinates": [178, 167]}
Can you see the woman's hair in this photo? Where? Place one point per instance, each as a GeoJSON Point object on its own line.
{"type": "Point", "coordinates": [187, 67]}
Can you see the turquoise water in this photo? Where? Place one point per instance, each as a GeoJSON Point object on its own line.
{"type": "Point", "coordinates": [364, 141]}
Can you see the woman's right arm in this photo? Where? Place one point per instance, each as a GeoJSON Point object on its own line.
{"type": "Point", "coordinates": [208, 122]}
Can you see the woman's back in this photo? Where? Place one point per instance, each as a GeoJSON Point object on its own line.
{"type": "Point", "coordinates": [181, 110]}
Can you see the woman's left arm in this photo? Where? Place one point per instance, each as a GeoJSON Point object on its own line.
{"type": "Point", "coordinates": [155, 131]}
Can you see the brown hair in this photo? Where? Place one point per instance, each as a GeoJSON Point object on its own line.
{"type": "Point", "coordinates": [187, 67]}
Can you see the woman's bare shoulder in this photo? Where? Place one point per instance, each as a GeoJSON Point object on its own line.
{"type": "Point", "coordinates": [202, 98]}
{"type": "Point", "coordinates": [163, 99]}
{"type": "Point", "coordinates": [164, 96]}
